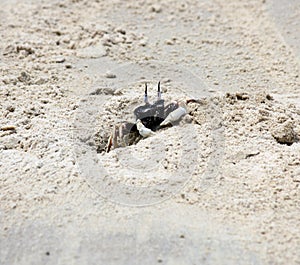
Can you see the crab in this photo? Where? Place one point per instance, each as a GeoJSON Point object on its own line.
{"type": "Point", "coordinates": [149, 119]}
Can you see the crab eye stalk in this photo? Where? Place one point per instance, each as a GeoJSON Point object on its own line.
{"type": "Point", "coordinates": [146, 95]}
{"type": "Point", "coordinates": [158, 91]}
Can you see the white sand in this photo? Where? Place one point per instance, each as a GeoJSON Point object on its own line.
{"type": "Point", "coordinates": [222, 187]}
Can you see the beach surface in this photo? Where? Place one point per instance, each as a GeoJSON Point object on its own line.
{"type": "Point", "coordinates": [220, 187]}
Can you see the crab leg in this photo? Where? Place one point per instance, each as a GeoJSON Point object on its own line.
{"type": "Point", "coordinates": [112, 140]}
{"type": "Point", "coordinates": [109, 144]}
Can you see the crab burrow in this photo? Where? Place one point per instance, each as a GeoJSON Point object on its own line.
{"type": "Point", "coordinates": [146, 118]}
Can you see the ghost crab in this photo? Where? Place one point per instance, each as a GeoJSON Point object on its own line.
{"type": "Point", "coordinates": [149, 118]}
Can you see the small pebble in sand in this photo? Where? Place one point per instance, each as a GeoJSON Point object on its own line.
{"type": "Point", "coordinates": [169, 42]}
{"type": "Point", "coordinates": [8, 128]}
{"type": "Point", "coordinates": [156, 8]}
{"type": "Point", "coordinates": [143, 43]}
{"type": "Point", "coordinates": [284, 133]}
{"type": "Point", "coordinates": [109, 74]}
{"type": "Point", "coordinates": [59, 59]}
{"type": "Point", "coordinates": [10, 108]}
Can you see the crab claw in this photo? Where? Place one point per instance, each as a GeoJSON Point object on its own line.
{"type": "Point", "coordinates": [144, 131]}
{"type": "Point", "coordinates": [176, 114]}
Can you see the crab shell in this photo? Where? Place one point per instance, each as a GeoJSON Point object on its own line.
{"type": "Point", "coordinates": [152, 115]}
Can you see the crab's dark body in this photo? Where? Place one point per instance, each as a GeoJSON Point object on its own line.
{"type": "Point", "coordinates": [152, 115]}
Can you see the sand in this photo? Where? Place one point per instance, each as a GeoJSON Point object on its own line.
{"type": "Point", "coordinates": [219, 187]}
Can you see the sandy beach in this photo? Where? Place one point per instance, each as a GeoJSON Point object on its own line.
{"type": "Point", "coordinates": [222, 186]}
